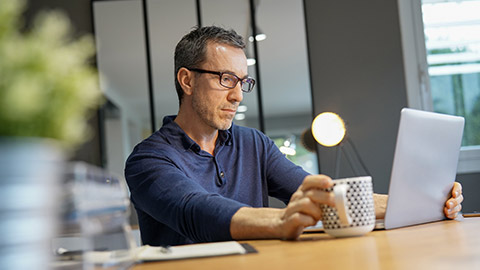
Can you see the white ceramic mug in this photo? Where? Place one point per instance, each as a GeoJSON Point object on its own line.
{"type": "Point", "coordinates": [354, 212]}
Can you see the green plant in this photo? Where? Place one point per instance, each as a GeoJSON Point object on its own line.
{"type": "Point", "coordinates": [47, 85]}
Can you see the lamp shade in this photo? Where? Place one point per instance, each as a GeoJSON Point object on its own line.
{"type": "Point", "coordinates": [328, 129]}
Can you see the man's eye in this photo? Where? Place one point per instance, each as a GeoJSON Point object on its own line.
{"type": "Point", "coordinates": [228, 79]}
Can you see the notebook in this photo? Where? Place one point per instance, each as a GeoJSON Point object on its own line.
{"type": "Point", "coordinates": [148, 253]}
{"type": "Point", "coordinates": [424, 169]}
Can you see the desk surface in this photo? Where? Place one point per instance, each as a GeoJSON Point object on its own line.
{"type": "Point", "coordinates": [440, 245]}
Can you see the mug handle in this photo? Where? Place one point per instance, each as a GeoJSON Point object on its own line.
{"type": "Point", "coordinates": [340, 192]}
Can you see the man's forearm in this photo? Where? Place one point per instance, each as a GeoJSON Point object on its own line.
{"type": "Point", "coordinates": [256, 223]}
{"type": "Point", "coordinates": [267, 223]}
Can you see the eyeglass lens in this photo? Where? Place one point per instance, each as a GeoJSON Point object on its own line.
{"type": "Point", "coordinates": [230, 81]}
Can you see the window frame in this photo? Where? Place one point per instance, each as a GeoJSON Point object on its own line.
{"type": "Point", "coordinates": [417, 79]}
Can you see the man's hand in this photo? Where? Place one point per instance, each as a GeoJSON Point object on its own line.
{"type": "Point", "coordinates": [454, 204]}
{"type": "Point", "coordinates": [303, 209]}
{"type": "Point", "coordinates": [380, 201]}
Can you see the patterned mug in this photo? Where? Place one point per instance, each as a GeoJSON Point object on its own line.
{"type": "Point", "coordinates": [354, 212]}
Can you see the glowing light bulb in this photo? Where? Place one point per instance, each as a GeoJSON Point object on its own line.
{"type": "Point", "coordinates": [328, 129]}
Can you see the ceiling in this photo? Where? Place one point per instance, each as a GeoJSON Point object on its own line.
{"type": "Point", "coordinates": [122, 59]}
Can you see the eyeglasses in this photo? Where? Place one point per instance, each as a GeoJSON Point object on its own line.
{"type": "Point", "coordinates": [230, 80]}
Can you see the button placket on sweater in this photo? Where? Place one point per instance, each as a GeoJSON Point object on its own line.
{"type": "Point", "coordinates": [221, 176]}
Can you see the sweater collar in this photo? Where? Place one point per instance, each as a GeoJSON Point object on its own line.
{"type": "Point", "coordinates": [179, 138]}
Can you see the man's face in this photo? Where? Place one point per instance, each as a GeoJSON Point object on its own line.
{"type": "Point", "coordinates": [213, 103]}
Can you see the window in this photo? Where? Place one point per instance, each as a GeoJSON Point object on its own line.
{"type": "Point", "coordinates": [296, 152]}
{"type": "Point", "coordinates": [441, 45]}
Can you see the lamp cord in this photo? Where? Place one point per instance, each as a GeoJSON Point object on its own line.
{"type": "Point", "coordinates": [350, 162]}
{"type": "Point", "coordinates": [358, 156]}
{"type": "Point", "coordinates": [337, 160]}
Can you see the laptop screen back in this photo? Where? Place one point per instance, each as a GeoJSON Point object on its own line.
{"type": "Point", "coordinates": [424, 167]}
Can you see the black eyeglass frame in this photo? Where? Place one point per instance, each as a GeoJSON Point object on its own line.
{"type": "Point", "coordinates": [248, 80]}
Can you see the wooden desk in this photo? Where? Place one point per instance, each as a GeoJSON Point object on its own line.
{"type": "Point", "coordinates": [441, 245]}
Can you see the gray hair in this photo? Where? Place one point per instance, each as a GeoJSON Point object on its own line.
{"type": "Point", "coordinates": [191, 49]}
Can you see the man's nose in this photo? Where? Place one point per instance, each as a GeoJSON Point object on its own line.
{"type": "Point", "coordinates": [236, 93]}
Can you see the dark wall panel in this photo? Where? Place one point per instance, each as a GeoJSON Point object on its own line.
{"type": "Point", "coordinates": [357, 71]}
{"type": "Point", "coordinates": [471, 187]}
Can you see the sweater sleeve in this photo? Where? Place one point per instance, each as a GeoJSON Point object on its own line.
{"type": "Point", "coordinates": [283, 176]}
{"type": "Point", "coordinates": [160, 189]}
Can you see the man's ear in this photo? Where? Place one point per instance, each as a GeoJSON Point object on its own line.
{"type": "Point", "coordinates": [186, 80]}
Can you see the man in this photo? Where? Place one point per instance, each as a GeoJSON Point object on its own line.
{"type": "Point", "coordinates": [200, 178]}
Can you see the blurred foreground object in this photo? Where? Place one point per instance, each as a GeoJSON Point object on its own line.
{"type": "Point", "coordinates": [94, 217]}
{"type": "Point", "coordinates": [47, 86]}
{"type": "Point", "coordinates": [47, 89]}
{"type": "Point", "coordinates": [30, 177]}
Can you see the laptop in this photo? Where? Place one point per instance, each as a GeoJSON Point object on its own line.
{"type": "Point", "coordinates": [424, 168]}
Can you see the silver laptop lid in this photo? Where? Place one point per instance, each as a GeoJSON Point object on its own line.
{"type": "Point", "coordinates": [424, 167]}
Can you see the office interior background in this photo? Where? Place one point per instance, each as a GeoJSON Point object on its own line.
{"type": "Point", "coordinates": [360, 59]}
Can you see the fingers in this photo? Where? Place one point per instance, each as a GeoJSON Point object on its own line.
{"type": "Point", "coordinates": [453, 202]}
{"type": "Point", "coordinates": [294, 225]}
{"type": "Point", "coordinates": [318, 181]}
{"type": "Point", "coordinates": [453, 212]}
{"type": "Point", "coordinates": [320, 196]}
{"type": "Point", "coordinates": [456, 190]}
{"type": "Point", "coordinates": [313, 187]}
{"type": "Point", "coordinates": [459, 199]}
{"type": "Point", "coordinates": [297, 195]}
{"type": "Point", "coordinates": [454, 205]}
{"type": "Point", "coordinates": [304, 206]}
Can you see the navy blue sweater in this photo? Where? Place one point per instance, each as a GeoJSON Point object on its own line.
{"type": "Point", "coordinates": [184, 195]}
